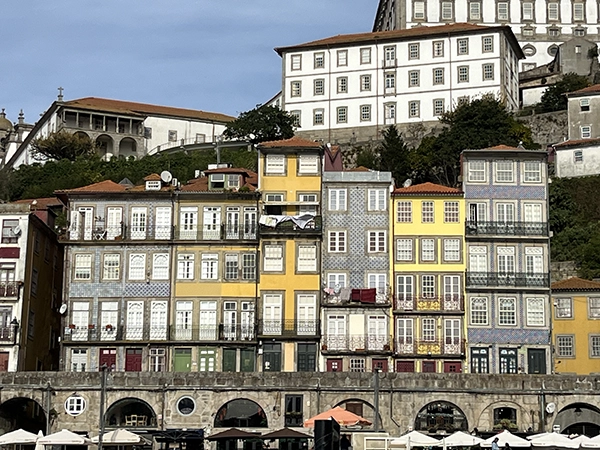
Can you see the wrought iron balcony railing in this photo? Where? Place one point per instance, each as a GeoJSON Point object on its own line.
{"type": "Point", "coordinates": [225, 231]}
{"type": "Point", "coordinates": [445, 303]}
{"type": "Point", "coordinates": [478, 228]}
{"type": "Point", "coordinates": [355, 343]}
{"type": "Point", "coordinates": [9, 289]}
{"type": "Point", "coordinates": [516, 279]}
{"type": "Point", "coordinates": [288, 328]}
{"type": "Point", "coordinates": [433, 347]}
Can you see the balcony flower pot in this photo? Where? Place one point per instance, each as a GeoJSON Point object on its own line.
{"type": "Point", "coordinates": [72, 326]}
{"type": "Point", "coordinates": [109, 327]}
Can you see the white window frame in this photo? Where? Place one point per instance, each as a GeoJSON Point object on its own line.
{"type": "Point", "coordinates": [337, 241]}
{"type": "Point", "coordinates": [83, 267]}
{"type": "Point", "coordinates": [428, 249]}
{"type": "Point", "coordinates": [111, 266]}
{"type": "Point", "coordinates": [504, 171]}
{"type": "Point", "coordinates": [137, 267]}
{"type": "Point", "coordinates": [308, 164]}
{"type": "Point", "coordinates": [479, 311]}
{"type": "Point", "coordinates": [404, 212]}
{"type": "Point", "coordinates": [377, 241]}
{"type": "Point", "coordinates": [451, 212]}
{"type": "Point", "coordinates": [405, 250]}
{"type": "Point", "coordinates": [536, 314]}
{"type": "Point", "coordinates": [447, 10]}
{"type": "Point", "coordinates": [185, 266]}
{"type": "Point", "coordinates": [275, 164]}
{"type": "Point", "coordinates": [209, 266]}
{"type": "Point", "coordinates": [160, 266]}
{"type": "Point", "coordinates": [377, 199]}
{"type": "Point", "coordinates": [337, 199]}
{"type": "Point", "coordinates": [273, 258]}
{"type": "Point", "coordinates": [75, 405]}
{"type": "Point", "coordinates": [307, 258]}
{"type": "Point", "coordinates": [427, 211]}
{"type": "Point", "coordinates": [477, 172]}
{"type": "Point", "coordinates": [507, 311]}
{"type": "Point", "coordinates": [296, 62]}
{"type": "Point", "coordinates": [452, 250]}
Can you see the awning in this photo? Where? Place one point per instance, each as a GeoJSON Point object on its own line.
{"type": "Point", "coordinates": [286, 433]}
{"type": "Point", "coordinates": [233, 433]}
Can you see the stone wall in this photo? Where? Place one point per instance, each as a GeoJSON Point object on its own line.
{"type": "Point", "coordinates": [547, 128]}
{"type": "Point", "coordinates": [561, 270]}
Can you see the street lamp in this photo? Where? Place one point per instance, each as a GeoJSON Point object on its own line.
{"type": "Point", "coordinates": [105, 369]}
{"type": "Point", "coordinates": [15, 326]}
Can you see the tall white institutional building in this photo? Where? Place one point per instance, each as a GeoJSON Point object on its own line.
{"type": "Point", "coordinates": [539, 25]}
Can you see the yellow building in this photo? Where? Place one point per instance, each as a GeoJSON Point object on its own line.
{"type": "Point", "coordinates": [290, 238]}
{"type": "Point", "coordinates": [429, 266]}
{"type": "Point", "coordinates": [576, 327]}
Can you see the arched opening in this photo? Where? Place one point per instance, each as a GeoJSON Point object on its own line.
{"type": "Point", "coordinates": [81, 135]}
{"type": "Point", "coordinates": [105, 146]}
{"type": "Point", "coordinates": [23, 413]}
{"type": "Point", "coordinates": [360, 408]}
{"type": "Point", "coordinates": [579, 418]}
{"type": "Point", "coordinates": [130, 413]}
{"type": "Point", "coordinates": [241, 413]}
{"type": "Point", "coordinates": [127, 148]}
{"type": "Point", "coordinates": [441, 417]}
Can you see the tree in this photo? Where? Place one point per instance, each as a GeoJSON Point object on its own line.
{"type": "Point", "coordinates": [261, 124]}
{"type": "Point", "coordinates": [554, 98]}
{"type": "Point", "coordinates": [367, 156]}
{"type": "Point", "coordinates": [62, 145]}
{"type": "Point", "coordinates": [394, 154]}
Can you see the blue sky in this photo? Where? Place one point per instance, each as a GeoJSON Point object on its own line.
{"type": "Point", "coordinates": [215, 55]}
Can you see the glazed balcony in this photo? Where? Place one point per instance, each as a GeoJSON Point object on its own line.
{"type": "Point", "coordinates": [509, 280]}
{"type": "Point", "coordinates": [270, 226]}
{"type": "Point", "coordinates": [436, 347]}
{"type": "Point", "coordinates": [9, 289]}
{"type": "Point", "coordinates": [478, 228]}
{"type": "Point", "coordinates": [444, 303]}
{"type": "Point", "coordinates": [339, 343]}
{"type": "Point", "coordinates": [288, 328]}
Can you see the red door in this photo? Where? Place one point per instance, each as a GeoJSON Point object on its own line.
{"type": "Point", "coordinates": [334, 365]}
{"type": "Point", "coordinates": [405, 366]}
{"type": "Point", "coordinates": [452, 367]}
{"type": "Point", "coordinates": [108, 356]}
{"type": "Point", "coordinates": [380, 364]}
{"type": "Point", "coordinates": [133, 360]}
{"type": "Point", "coordinates": [3, 361]}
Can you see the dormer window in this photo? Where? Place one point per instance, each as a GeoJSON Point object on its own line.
{"type": "Point", "coordinates": [217, 180]}
{"type": "Point", "coordinates": [233, 181]}
{"type": "Point", "coordinates": [153, 185]}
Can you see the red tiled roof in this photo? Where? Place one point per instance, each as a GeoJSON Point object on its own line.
{"type": "Point", "coordinates": [575, 284]}
{"type": "Point", "coordinates": [102, 186]}
{"type": "Point", "coordinates": [153, 177]}
{"type": "Point", "coordinates": [292, 142]}
{"type": "Point", "coordinates": [359, 169]}
{"type": "Point", "coordinates": [577, 143]}
{"type": "Point", "coordinates": [42, 203]}
{"type": "Point", "coordinates": [427, 189]}
{"type": "Point", "coordinates": [125, 107]}
{"type": "Point", "coordinates": [594, 88]}
{"type": "Point", "coordinates": [250, 180]}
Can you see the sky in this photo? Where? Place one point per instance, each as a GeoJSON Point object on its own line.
{"type": "Point", "coordinates": [212, 55]}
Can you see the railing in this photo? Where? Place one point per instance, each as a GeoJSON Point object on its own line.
{"type": "Point", "coordinates": [9, 289]}
{"type": "Point", "coordinates": [288, 328]}
{"type": "Point", "coordinates": [178, 143]}
{"type": "Point", "coordinates": [119, 233]}
{"type": "Point", "coordinates": [517, 279]}
{"type": "Point", "coordinates": [226, 231]}
{"type": "Point", "coordinates": [290, 227]}
{"type": "Point", "coordinates": [337, 300]}
{"type": "Point", "coordinates": [477, 228]}
{"type": "Point", "coordinates": [435, 347]}
{"type": "Point", "coordinates": [355, 343]}
{"type": "Point", "coordinates": [7, 334]}
{"type": "Point", "coordinates": [444, 303]}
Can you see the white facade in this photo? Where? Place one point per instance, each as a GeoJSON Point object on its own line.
{"type": "Point", "coordinates": [539, 25]}
{"type": "Point", "coordinates": [579, 160]}
{"type": "Point", "coordinates": [379, 79]}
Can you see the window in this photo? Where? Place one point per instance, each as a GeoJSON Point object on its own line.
{"type": "Point", "coordinates": [535, 312]}
{"type": "Point", "coordinates": [579, 32]}
{"type": "Point", "coordinates": [342, 85]}
{"type": "Point", "coordinates": [595, 346]}
{"type": "Point", "coordinates": [318, 116]}
{"type": "Point", "coordinates": [9, 236]}
{"type": "Point", "coordinates": [319, 86]}
{"type": "Point", "coordinates": [365, 113]}
{"type": "Point", "coordinates": [586, 131]}
{"type": "Point", "coordinates": [474, 11]}
{"type": "Point", "coordinates": [357, 364]}
{"type": "Point", "coordinates": [378, 281]}
{"type": "Point", "coordinates": [337, 241]}
{"type": "Point", "coordinates": [404, 212]}
{"type": "Point", "coordinates": [428, 330]}
{"type": "Point", "coordinates": [137, 266]}
{"type": "Point", "coordinates": [273, 261]}
{"type": "Point", "coordinates": [594, 307]}
{"type": "Point", "coordinates": [427, 249]}
{"type": "Point", "coordinates": [404, 249]}
{"type": "Point", "coordinates": [390, 81]}
{"type": "Point", "coordinates": [308, 164]}
{"type": "Point", "coordinates": [553, 32]}
{"type": "Point", "coordinates": [75, 405]}
{"type": "Point", "coordinates": [365, 82]}
{"type": "Point", "coordinates": [319, 60]}
{"type": "Point", "coordinates": [479, 310]}
{"type": "Point", "coordinates": [418, 10]}
{"type": "Point", "coordinates": [160, 266]}
{"type": "Point", "coordinates": [296, 90]}
{"type": "Point", "coordinates": [438, 76]}
{"type": "Point", "coordinates": [502, 11]}
{"type": "Point", "coordinates": [157, 360]}
{"type": "Point", "coordinates": [413, 78]}
{"type": "Point", "coordinates": [508, 360]}
{"type": "Point", "coordinates": [293, 410]}
{"type": "Point", "coordinates": [78, 359]}
{"type": "Point", "coordinates": [365, 56]}
{"type": "Point", "coordinates": [504, 171]}
{"type": "Point", "coordinates": [463, 46]}
{"type": "Point", "coordinates": [307, 258]}
{"type": "Point", "coordinates": [335, 280]}
{"type": "Point", "coordinates": [296, 117]}
{"type": "Point", "coordinates": [111, 266]}
{"type": "Point", "coordinates": [447, 13]}
{"type": "Point", "coordinates": [476, 171]}
{"type": "Point", "coordinates": [390, 56]}
{"type": "Point", "coordinates": [390, 111]}
{"type": "Point", "coordinates": [248, 266]}
{"type": "Point", "coordinates": [532, 172]}
{"type": "Point", "coordinates": [342, 58]}
{"type": "Point", "coordinates": [553, 11]}
{"type": "Point", "coordinates": [185, 266]}
{"type": "Point", "coordinates": [463, 74]}
{"type": "Point", "coordinates": [296, 62]}
{"type": "Point", "coordinates": [83, 267]}
{"type": "Point", "coordinates": [427, 212]}
{"type": "Point", "coordinates": [578, 156]}
{"type": "Point", "coordinates": [275, 164]}
{"type": "Point", "coordinates": [584, 104]}
{"type": "Point", "coordinates": [438, 107]}
{"type": "Point", "coordinates": [414, 108]}
{"type": "Point", "coordinates": [377, 240]}
{"type": "Point", "coordinates": [413, 51]}
{"type": "Point", "coordinates": [377, 199]}
{"type": "Point", "coordinates": [337, 200]}
{"type": "Point", "coordinates": [451, 213]}
{"type": "Point", "coordinates": [438, 49]}
{"type": "Point", "coordinates": [578, 12]}
{"type": "Point", "coordinates": [528, 31]}
{"type": "Point", "coordinates": [428, 286]}
{"type": "Point", "coordinates": [565, 346]}
{"type": "Point", "coordinates": [507, 311]}
{"type": "Point", "coordinates": [488, 71]}
{"type": "Point", "coordinates": [527, 11]}
{"type": "Point", "coordinates": [172, 135]}
{"type": "Point", "coordinates": [452, 250]}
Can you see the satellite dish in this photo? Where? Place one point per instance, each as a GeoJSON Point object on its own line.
{"type": "Point", "coordinates": [407, 183]}
{"type": "Point", "coordinates": [166, 176]}
{"type": "Point", "coordinates": [550, 408]}
{"type": "Point", "coordinates": [17, 230]}
{"type": "Point", "coordinates": [63, 308]}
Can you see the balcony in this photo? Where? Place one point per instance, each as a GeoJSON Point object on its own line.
{"type": "Point", "coordinates": [333, 343]}
{"type": "Point", "coordinates": [444, 303]}
{"type": "Point", "coordinates": [288, 328]}
{"type": "Point", "coordinates": [122, 232]}
{"type": "Point", "coordinates": [7, 334]}
{"type": "Point", "coordinates": [217, 232]}
{"type": "Point", "coordinates": [435, 347]}
{"type": "Point", "coordinates": [9, 289]}
{"type": "Point", "coordinates": [365, 297]}
{"type": "Point", "coordinates": [519, 229]}
{"type": "Point", "coordinates": [514, 280]}
{"type": "Point", "coordinates": [290, 224]}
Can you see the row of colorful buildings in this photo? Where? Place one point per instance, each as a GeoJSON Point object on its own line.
{"type": "Point", "coordinates": [304, 266]}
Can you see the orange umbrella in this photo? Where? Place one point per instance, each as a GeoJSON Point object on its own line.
{"type": "Point", "coordinates": [342, 416]}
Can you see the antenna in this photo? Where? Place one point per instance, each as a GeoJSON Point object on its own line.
{"type": "Point", "coordinates": [407, 183]}
{"type": "Point", "coordinates": [166, 176]}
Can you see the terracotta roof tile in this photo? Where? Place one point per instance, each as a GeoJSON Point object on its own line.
{"type": "Point", "coordinates": [577, 143]}
{"type": "Point", "coordinates": [292, 142]}
{"type": "Point", "coordinates": [427, 189]}
{"type": "Point", "coordinates": [575, 284]}
{"type": "Point", "coordinates": [359, 169]}
{"type": "Point", "coordinates": [125, 107]}
{"type": "Point", "coordinates": [153, 177]}
{"type": "Point", "coordinates": [250, 180]}
{"type": "Point", "coordinates": [142, 188]}
{"type": "Point", "coordinates": [594, 88]}
{"type": "Point", "coordinates": [42, 203]}
{"type": "Point", "coordinates": [102, 186]}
